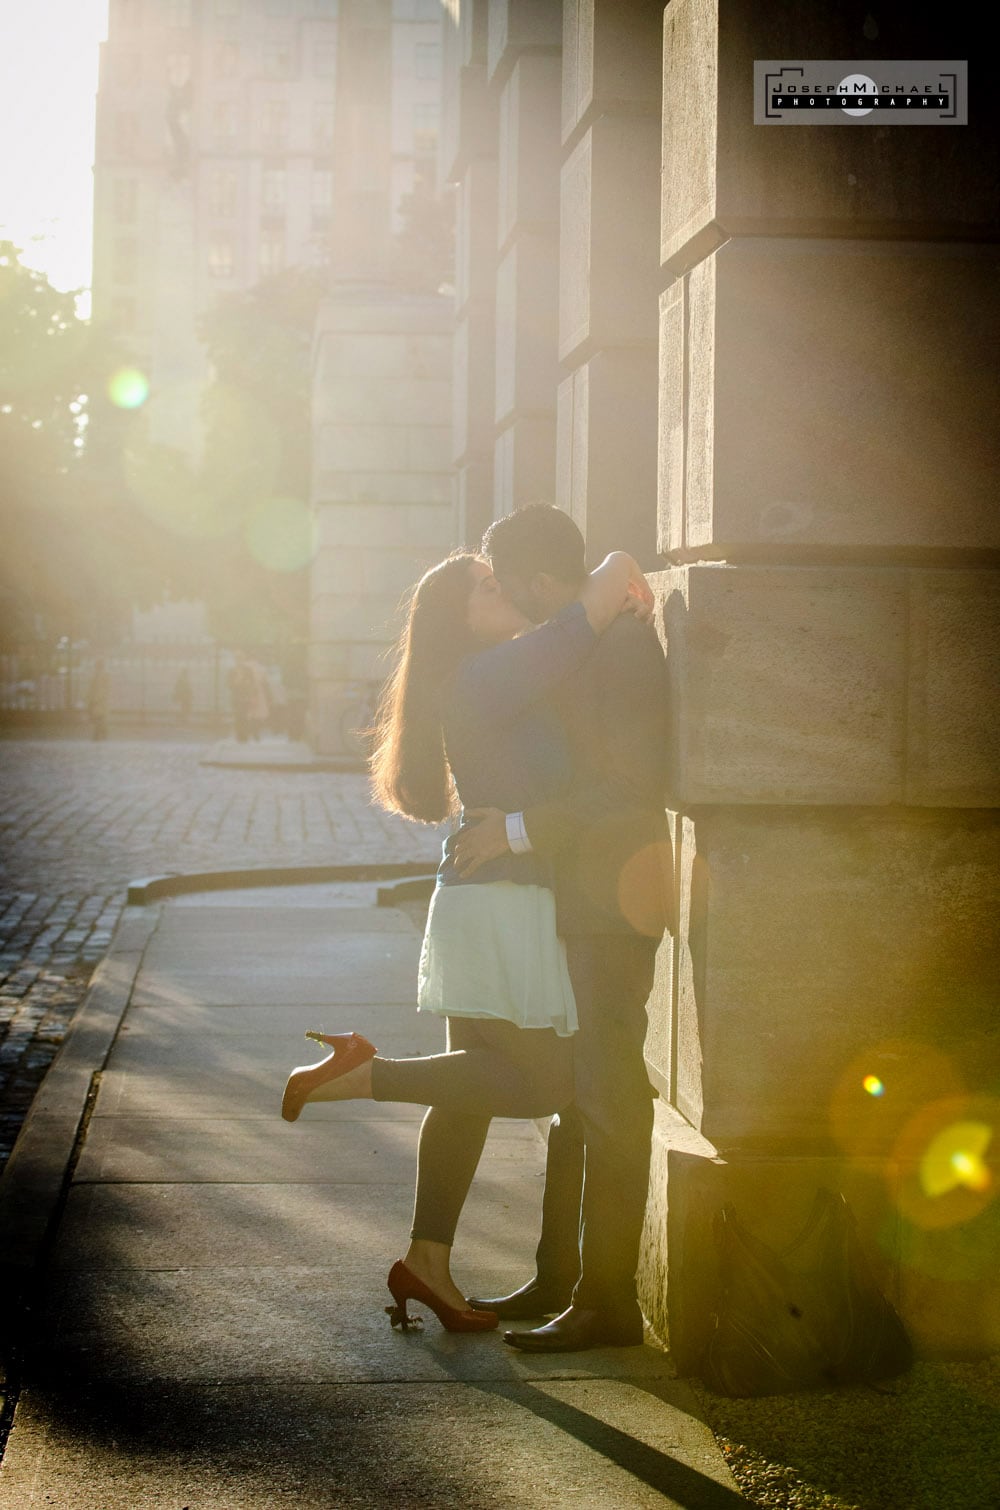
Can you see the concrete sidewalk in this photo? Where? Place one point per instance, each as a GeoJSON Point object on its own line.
{"type": "Point", "coordinates": [208, 1329]}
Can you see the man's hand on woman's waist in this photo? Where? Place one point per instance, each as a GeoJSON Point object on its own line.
{"type": "Point", "coordinates": [482, 837]}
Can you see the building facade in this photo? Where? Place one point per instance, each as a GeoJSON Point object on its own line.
{"type": "Point", "coordinates": [215, 165]}
{"type": "Point", "coordinates": [764, 359]}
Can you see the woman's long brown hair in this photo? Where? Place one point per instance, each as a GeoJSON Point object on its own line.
{"type": "Point", "coordinates": [409, 768]}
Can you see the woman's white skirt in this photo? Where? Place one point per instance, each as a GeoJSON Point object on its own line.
{"type": "Point", "coordinates": [491, 950]}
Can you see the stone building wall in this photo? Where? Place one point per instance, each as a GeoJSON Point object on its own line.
{"type": "Point", "coordinates": [800, 443]}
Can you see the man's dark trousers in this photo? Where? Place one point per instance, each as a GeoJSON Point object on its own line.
{"type": "Point", "coordinates": [612, 1119]}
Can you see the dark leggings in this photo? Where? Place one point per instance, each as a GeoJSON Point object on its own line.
{"type": "Point", "coordinates": [491, 1069]}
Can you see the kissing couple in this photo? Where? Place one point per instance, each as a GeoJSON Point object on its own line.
{"type": "Point", "coordinates": [528, 700]}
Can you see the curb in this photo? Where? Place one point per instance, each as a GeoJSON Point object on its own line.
{"type": "Point", "coordinates": [156, 888]}
{"type": "Point", "coordinates": [31, 1189]}
{"type": "Point", "coordinates": [335, 763]}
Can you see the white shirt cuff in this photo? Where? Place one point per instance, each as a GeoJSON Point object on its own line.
{"type": "Point", "coordinates": [517, 835]}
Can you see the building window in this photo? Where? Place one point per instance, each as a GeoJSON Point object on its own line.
{"type": "Point", "coordinates": [322, 128]}
{"type": "Point", "coordinates": [126, 132]}
{"type": "Point", "coordinates": [226, 62]}
{"type": "Point", "coordinates": [427, 60]}
{"type": "Point", "coordinates": [222, 196]}
{"type": "Point", "coordinates": [224, 120]}
{"type": "Point", "coordinates": [126, 201]}
{"type": "Point", "coordinates": [274, 124]}
{"type": "Point", "coordinates": [322, 195]}
{"type": "Point", "coordinates": [273, 191]}
{"type": "Point", "coordinates": [271, 257]}
{"type": "Point", "coordinates": [325, 60]}
{"type": "Point", "coordinates": [178, 12]}
{"type": "Point", "coordinates": [221, 258]}
{"type": "Point", "coordinates": [277, 60]}
{"type": "Point", "coordinates": [125, 266]}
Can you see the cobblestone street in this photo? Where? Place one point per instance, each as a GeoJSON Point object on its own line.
{"type": "Point", "coordinates": [79, 821]}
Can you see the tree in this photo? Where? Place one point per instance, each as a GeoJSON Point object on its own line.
{"type": "Point", "coordinates": [255, 474]}
{"type": "Point", "coordinates": [50, 364]}
{"type": "Point", "coordinates": [423, 252]}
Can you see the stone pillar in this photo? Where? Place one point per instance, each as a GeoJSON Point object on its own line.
{"type": "Point", "coordinates": [470, 161]}
{"type": "Point", "coordinates": [828, 454]}
{"type": "Point", "coordinates": [523, 67]}
{"type": "Point", "coordinates": [609, 271]}
{"type": "Point", "coordinates": [381, 485]}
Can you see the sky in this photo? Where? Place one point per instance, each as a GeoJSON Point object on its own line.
{"type": "Point", "coordinates": [48, 85]}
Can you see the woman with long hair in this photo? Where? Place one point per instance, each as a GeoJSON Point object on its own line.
{"type": "Point", "coordinates": [466, 719]}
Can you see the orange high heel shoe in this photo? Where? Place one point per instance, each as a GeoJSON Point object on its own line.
{"type": "Point", "coordinates": [349, 1050]}
{"type": "Point", "coordinates": [404, 1285]}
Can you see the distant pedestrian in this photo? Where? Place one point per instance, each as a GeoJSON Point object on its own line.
{"type": "Point", "coordinates": [259, 710]}
{"type": "Point", "coordinates": [183, 694]}
{"type": "Point", "coordinates": [98, 698]}
{"type": "Point", "coordinates": [241, 693]}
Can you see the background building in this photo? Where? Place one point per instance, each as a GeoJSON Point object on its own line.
{"type": "Point", "coordinates": [215, 165]}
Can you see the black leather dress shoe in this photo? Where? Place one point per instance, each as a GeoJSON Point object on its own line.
{"type": "Point", "coordinates": [578, 1329]}
{"type": "Point", "coordinates": [532, 1299]}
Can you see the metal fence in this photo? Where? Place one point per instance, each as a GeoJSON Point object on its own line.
{"type": "Point", "coordinates": [144, 681]}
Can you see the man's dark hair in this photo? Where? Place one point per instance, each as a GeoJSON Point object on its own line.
{"type": "Point", "coordinates": [538, 537]}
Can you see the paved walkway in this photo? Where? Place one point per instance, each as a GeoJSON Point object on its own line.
{"type": "Point", "coordinates": [79, 821]}
{"type": "Point", "coordinates": [210, 1331]}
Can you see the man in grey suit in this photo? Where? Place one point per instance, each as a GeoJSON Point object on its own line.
{"type": "Point", "coordinates": [609, 846]}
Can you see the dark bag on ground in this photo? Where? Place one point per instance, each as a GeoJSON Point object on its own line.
{"type": "Point", "coordinates": [810, 1316]}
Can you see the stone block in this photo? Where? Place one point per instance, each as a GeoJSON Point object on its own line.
{"type": "Point", "coordinates": [517, 26]}
{"type": "Point", "coordinates": [431, 526]}
{"type": "Point", "coordinates": [789, 683]}
{"type": "Point", "coordinates": [819, 950]}
{"type": "Point", "coordinates": [681, 1283]}
{"type": "Point", "coordinates": [346, 617]}
{"type": "Point", "coordinates": [942, 1280]}
{"type": "Point", "coordinates": [528, 182]}
{"type": "Point", "coordinates": [428, 448]}
{"type": "Point", "coordinates": [671, 460]}
{"type": "Point", "coordinates": [611, 60]}
{"type": "Point", "coordinates": [476, 233]}
{"type": "Point", "coordinates": [474, 483]}
{"type": "Point", "coordinates": [723, 176]}
{"type": "Point", "coordinates": [838, 394]}
{"type": "Point", "coordinates": [411, 400]}
{"type": "Point", "coordinates": [369, 493]}
{"type": "Point", "coordinates": [953, 722]}
{"type": "Point", "coordinates": [475, 375]}
{"type": "Point", "coordinates": [606, 452]}
{"type": "Point", "coordinates": [328, 661]}
{"type": "Point", "coordinates": [366, 448]}
{"type": "Point", "coordinates": [524, 464]}
{"type": "Point", "coordinates": [527, 294]}
{"type": "Point", "coordinates": [608, 278]}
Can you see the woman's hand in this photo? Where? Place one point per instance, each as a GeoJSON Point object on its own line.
{"type": "Point", "coordinates": [485, 838]}
{"type": "Point", "coordinates": [641, 600]}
